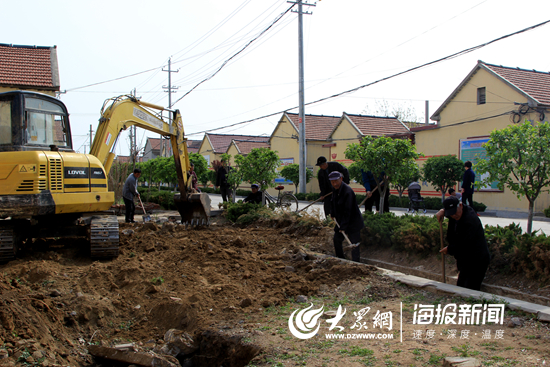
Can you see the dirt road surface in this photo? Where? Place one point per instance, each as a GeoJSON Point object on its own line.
{"type": "Point", "coordinates": [232, 290]}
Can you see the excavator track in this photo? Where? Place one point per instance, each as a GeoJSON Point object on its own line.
{"type": "Point", "coordinates": [104, 236]}
{"type": "Point", "coordinates": [7, 244]}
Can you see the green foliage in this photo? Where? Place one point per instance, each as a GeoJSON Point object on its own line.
{"type": "Point", "coordinates": [354, 170]}
{"type": "Point", "coordinates": [235, 210]}
{"type": "Point", "coordinates": [405, 176]}
{"type": "Point", "coordinates": [413, 233]}
{"type": "Point", "coordinates": [547, 212]}
{"type": "Point", "coordinates": [201, 167]}
{"type": "Point", "coordinates": [259, 166]}
{"type": "Point", "coordinates": [162, 197]}
{"type": "Point", "coordinates": [159, 170]}
{"type": "Point", "coordinates": [383, 154]}
{"type": "Point", "coordinates": [443, 172]}
{"type": "Point", "coordinates": [157, 280]}
{"type": "Point", "coordinates": [518, 157]}
{"type": "Point", "coordinates": [291, 172]}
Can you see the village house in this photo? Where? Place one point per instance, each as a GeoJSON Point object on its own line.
{"type": "Point", "coordinates": [491, 97]}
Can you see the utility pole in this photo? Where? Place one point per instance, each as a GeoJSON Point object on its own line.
{"type": "Point", "coordinates": [133, 140]}
{"type": "Point", "coordinates": [91, 131]}
{"type": "Point", "coordinates": [170, 89]}
{"type": "Point", "coordinates": [301, 114]}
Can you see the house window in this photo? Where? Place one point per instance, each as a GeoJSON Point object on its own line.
{"type": "Point", "coordinates": [481, 95]}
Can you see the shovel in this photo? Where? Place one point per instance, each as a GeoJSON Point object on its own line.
{"type": "Point", "coordinates": [350, 245]}
{"type": "Point", "coordinates": [321, 198]}
{"type": "Point", "coordinates": [442, 254]}
{"type": "Point", "coordinates": [146, 217]}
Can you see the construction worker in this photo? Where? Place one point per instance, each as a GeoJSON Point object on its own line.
{"type": "Point", "coordinates": [255, 196]}
{"type": "Point", "coordinates": [347, 214]}
{"type": "Point", "coordinates": [324, 183]}
{"type": "Point", "coordinates": [129, 190]}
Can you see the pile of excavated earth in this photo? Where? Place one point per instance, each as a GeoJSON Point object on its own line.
{"type": "Point", "coordinates": [168, 294]}
{"type": "Point", "coordinates": [177, 296]}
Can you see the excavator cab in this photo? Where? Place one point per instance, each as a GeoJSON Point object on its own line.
{"type": "Point", "coordinates": [33, 121]}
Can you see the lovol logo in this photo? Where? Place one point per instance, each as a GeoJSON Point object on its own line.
{"type": "Point", "coordinates": [305, 322]}
{"type": "Point", "coordinates": [76, 172]}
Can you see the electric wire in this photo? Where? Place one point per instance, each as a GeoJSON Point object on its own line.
{"type": "Point", "coordinates": [232, 57]}
{"type": "Point", "coordinates": [445, 58]}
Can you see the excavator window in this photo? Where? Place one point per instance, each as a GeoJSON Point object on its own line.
{"type": "Point", "coordinates": [45, 123]}
{"type": "Point", "coordinates": [5, 122]}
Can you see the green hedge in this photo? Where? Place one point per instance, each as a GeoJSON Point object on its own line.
{"type": "Point", "coordinates": [512, 251]}
{"type": "Point", "coordinates": [152, 195]}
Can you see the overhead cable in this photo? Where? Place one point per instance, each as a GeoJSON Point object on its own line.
{"type": "Point", "coordinates": [235, 55]}
{"type": "Point", "coordinates": [454, 55]}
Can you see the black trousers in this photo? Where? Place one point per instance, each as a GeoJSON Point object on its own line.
{"type": "Point", "coordinates": [225, 191]}
{"type": "Point", "coordinates": [468, 197]}
{"type": "Point", "coordinates": [326, 205]}
{"type": "Point", "coordinates": [375, 199]}
{"type": "Point", "coordinates": [339, 240]}
{"type": "Point", "coordinates": [130, 210]}
{"type": "Point", "coordinates": [471, 275]}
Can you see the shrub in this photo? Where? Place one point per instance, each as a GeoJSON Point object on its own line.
{"type": "Point", "coordinates": [235, 210]}
{"type": "Point", "coordinates": [547, 212]}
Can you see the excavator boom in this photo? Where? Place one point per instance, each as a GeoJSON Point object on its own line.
{"type": "Point", "coordinates": [122, 112]}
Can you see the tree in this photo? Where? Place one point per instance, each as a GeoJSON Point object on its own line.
{"type": "Point", "coordinates": [402, 111]}
{"type": "Point", "coordinates": [201, 167]}
{"type": "Point", "coordinates": [405, 176]}
{"type": "Point", "coordinates": [355, 173]}
{"type": "Point", "coordinates": [259, 166]}
{"type": "Point", "coordinates": [518, 157]}
{"type": "Point", "coordinates": [443, 172]}
{"type": "Point", "coordinates": [291, 172]}
{"type": "Point", "coordinates": [383, 156]}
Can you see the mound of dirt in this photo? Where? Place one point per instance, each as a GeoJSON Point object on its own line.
{"type": "Point", "coordinates": [56, 302]}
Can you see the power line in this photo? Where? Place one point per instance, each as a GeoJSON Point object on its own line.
{"type": "Point", "coordinates": [234, 55]}
{"type": "Point", "coordinates": [112, 80]}
{"type": "Point", "coordinates": [451, 56]}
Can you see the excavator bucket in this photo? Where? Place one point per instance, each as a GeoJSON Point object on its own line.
{"type": "Point", "coordinates": [195, 210]}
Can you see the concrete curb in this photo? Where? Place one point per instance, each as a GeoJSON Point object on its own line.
{"type": "Point", "coordinates": [542, 312]}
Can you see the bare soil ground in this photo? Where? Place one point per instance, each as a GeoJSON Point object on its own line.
{"type": "Point", "coordinates": [232, 290]}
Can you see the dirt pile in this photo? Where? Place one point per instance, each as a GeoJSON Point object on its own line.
{"type": "Point", "coordinates": [56, 302]}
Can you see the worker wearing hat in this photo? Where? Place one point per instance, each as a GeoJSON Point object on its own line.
{"type": "Point", "coordinates": [346, 212]}
{"type": "Point", "coordinates": [255, 196]}
{"type": "Point", "coordinates": [324, 183]}
{"type": "Point", "coordinates": [467, 242]}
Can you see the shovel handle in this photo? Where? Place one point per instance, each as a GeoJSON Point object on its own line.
{"type": "Point", "coordinates": [321, 198]}
{"type": "Point", "coordinates": [442, 254]}
{"type": "Point", "coordinates": [365, 199]}
{"type": "Point", "coordinates": [344, 233]}
{"type": "Point", "coordinates": [142, 207]}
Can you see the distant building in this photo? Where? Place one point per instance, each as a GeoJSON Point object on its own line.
{"type": "Point", "coordinates": [32, 68]}
{"type": "Point", "coordinates": [490, 97]}
{"type": "Point", "coordinates": [193, 146]}
{"type": "Point", "coordinates": [214, 145]}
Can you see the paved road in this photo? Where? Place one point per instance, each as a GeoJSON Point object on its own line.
{"type": "Point", "coordinates": [541, 225]}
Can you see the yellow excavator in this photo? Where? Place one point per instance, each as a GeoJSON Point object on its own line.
{"type": "Point", "coordinates": [47, 190]}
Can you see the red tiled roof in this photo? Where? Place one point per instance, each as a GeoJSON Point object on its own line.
{"type": "Point", "coordinates": [220, 142]}
{"type": "Point", "coordinates": [193, 146]}
{"type": "Point", "coordinates": [378, 126]}
{"type": "Point", "coordinates": [317, 127]}
{"type": "Point", "coordinates": [123, 158]}
{"type": "Point", "coordinates": [28, 66]}
{"type": "Point", "coordinates": [245, 146]}
{"type": "Point", "coordinates": [534, 83]}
